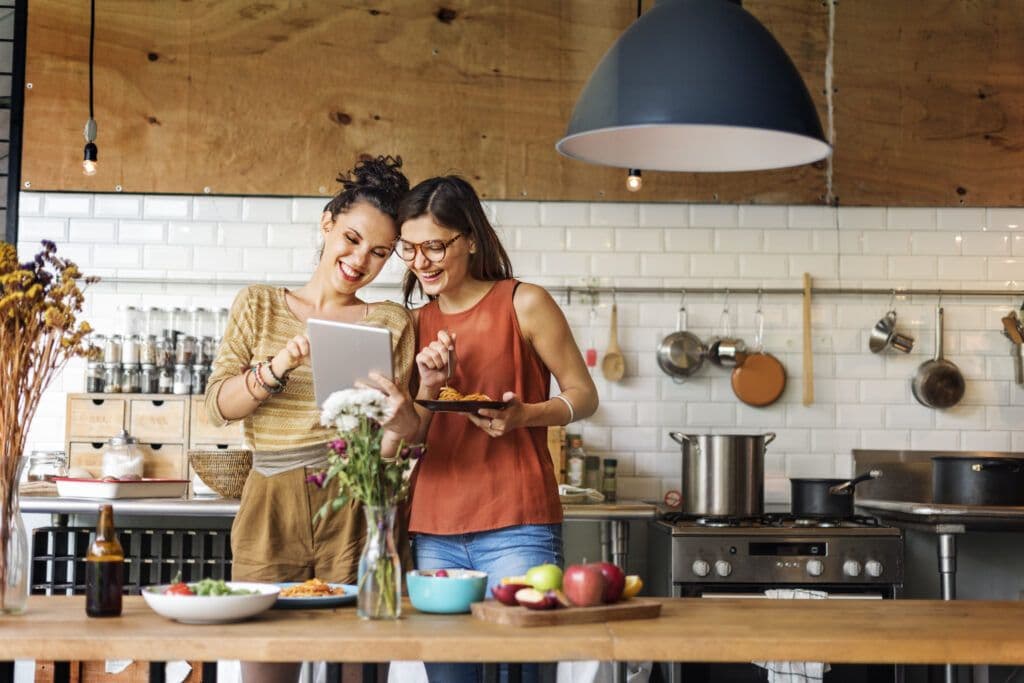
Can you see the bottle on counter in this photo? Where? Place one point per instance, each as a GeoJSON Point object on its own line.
{"type": "Point", "coordinates": [104, 569]}
{"type": "Point", "coordinates": [592, 472]}
{"type": "Point", "coordinates": [574, 469]}
{"type": "Point", "coordinates": [609, 485]}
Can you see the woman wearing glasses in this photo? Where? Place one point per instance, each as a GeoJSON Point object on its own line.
{"type": "Point", "coordinates": [485, 495]}
{"type": "Point", "coordinates": [261, 376]}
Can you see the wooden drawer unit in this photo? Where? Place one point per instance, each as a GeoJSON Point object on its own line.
{"type": "Point", "coordinates": [160, 461]}
{"type": "Point", "coordinates": [159, 420]}
{"type": "Point", "coordinates": [202, 434]}
{"type": "Point", "coordinates": [94, 416]}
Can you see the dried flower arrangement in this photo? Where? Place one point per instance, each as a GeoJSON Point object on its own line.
{"type": "Point", "coordinates": [39, 333]}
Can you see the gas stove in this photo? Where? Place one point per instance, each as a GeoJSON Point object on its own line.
{"type": "Point", "coordinates": [779, 550]}
{"type": "Point", "coordinates": [761, 557]}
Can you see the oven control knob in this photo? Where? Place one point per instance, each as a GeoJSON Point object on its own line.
{"type": "Point", "coordinates": [723, 568]}
{"type": "Point", "coordinates": [852, 568]}
{"type": "Point", "coordinates": [873, 568]}
{"type": "Point", "coordinates": [701, 568]}
{"type": "Point", "coordinates": [815, 567]}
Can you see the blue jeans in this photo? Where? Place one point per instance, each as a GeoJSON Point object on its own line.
{"type": "Point", "coordinates": [500, 552]}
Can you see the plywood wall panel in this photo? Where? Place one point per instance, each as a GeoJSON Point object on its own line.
{"type": "Point", "coordinates": [274, 97]}
{"type": "Point", "coordinates": [236, 97]}
{"type": "Point", "coordinates": [930, 102]}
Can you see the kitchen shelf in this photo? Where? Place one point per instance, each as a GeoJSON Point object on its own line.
{"type": "Point", "coordinates": [570, 290]}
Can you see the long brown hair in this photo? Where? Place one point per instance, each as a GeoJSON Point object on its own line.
{"type": "Point", "coordinates": [453, 203]}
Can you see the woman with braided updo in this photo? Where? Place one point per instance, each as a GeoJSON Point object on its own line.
{"type": "Point", "coordinates": [262, 376]}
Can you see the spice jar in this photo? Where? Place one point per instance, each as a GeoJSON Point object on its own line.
{"type": "Point", "coordinates": [130, 349]}
{"type": "Point", "coordinates": [178, 323]}
{"type": "Point", "coordinates": [206, 350]}
{"type": "Point", "coordinates": [165, 380]}
{"type": "Point", "coordinates": [111, 378]}
{"type": "Point", "coordinates": [122, 458]}
{"type": "Point", "coordinates": [182, 379]}
{"type": "Point", "coordinates": [46, 465]}
{"type": "Point", "coordinates": [608, 485]}
{"type": "Point", "coordinates": [185, 351]}
{"type": "Point", "coordinates": [199, 375]}
{"type": "Point", "coordinates": [112, 349]}
{"type": "Point", "coordinates": [94, 377]}
{"type": "Point", "coordinates": [156, 322]}
{"type": "Point", "coordinates": [164, 351]}
{"type": "Point", "coordinates": [147, 350]}
{"type": "Point", "coordinates": [149, 379]}
{"type": "Point", "coordinates": [131, 379]}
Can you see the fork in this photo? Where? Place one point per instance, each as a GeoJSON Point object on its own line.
{"type": "Point", "coordinates": [450, 367]}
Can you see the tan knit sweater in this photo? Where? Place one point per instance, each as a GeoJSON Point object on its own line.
{"type": "Point", "coordinates": [260, 325]}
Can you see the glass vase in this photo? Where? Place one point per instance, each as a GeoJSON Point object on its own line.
{"type": "Point", "coordinates": [380, 568]}
{"type": "Point", "coordinates": [13, 548]}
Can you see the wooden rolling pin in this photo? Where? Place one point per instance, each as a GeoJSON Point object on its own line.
{"type": "Point", "coordinates": [808, 353]}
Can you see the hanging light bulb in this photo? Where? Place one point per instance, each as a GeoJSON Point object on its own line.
{"type": "Point", "coordinates": [91, 153]}
{"type": "Point", "coordinates": [634, 181]}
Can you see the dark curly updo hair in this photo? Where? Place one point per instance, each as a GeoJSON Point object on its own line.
{"type": "Point", "coordinates": [378, 181]}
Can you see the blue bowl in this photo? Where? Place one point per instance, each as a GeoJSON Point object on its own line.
{"type": "Point", "coordinates": [450, 594]}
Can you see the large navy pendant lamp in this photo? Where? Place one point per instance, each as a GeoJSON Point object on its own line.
{"type": "Point", "coordinates": [695, 85]}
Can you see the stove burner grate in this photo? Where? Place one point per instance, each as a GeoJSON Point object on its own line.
{"type": "Point", "coordinates": [779, 520]}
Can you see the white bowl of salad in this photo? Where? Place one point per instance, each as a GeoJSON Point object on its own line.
{"type": "Point", "coordinates": [210, 601]}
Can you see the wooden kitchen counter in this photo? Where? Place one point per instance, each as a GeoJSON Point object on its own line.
{"type": "Point", "coordinates": [874, 631]}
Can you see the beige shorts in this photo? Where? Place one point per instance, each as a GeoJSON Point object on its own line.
{"type": "Point", "coordinates": [274, 537]}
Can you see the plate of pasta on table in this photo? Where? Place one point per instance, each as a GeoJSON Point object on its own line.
{"type": "Point", "coordinates": [314, 593]}
{"type": "Point", "coordinates": [451, 401]}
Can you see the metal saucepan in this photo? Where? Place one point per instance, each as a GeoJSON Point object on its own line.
{"type": "Point", "coordinates": [681, 354]}
{"type": "Point", "coordinates": [723, 474]}
{"type": "Point", "coordinates": [938, 382]}
{"type": "Point", "coordinates": [831, 498]}
{"type": "Point", "coordinates": [966, 480]}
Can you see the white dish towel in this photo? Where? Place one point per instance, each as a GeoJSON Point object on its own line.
{"type": "Point", "coordinates": [795, 672]}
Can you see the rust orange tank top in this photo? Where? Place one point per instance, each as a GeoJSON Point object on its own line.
{"type": "Point", "coordinates": [469, 481]}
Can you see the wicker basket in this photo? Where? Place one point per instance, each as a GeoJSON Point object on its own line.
{"type": "Point", "coordinates": [224, 471]}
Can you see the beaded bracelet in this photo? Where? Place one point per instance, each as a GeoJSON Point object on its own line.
{"type": "Point", "coordinates": [280, 380]}
{"type": "Point", "coordinates": [245, 381]}
{"type": "Point", "coordinates": [259, 379]}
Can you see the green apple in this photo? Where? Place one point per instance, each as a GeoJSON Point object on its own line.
{"type": "Point", "coordinates": [545, 577]}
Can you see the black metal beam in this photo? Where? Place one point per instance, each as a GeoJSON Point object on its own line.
{"type": "Point", "coordinates": [17, 119]}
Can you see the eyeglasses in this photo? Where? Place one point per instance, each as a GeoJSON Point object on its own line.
{"type": "Point", "coordinates": [432, 250]}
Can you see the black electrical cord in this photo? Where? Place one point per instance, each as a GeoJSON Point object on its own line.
{"type": "Point", "coordinates": [92, 41]}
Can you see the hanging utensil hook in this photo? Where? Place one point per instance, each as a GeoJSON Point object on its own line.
{"type": "Point", "coordinates": [892, 299]}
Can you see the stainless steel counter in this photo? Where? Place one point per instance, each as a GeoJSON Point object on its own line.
{"type": "Point", "coordinates": [227, 507]}
{"type": "Point", "coordinates": [969, 517]}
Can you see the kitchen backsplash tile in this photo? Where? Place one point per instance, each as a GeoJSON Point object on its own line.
{"type": "Point", "coordinates": [862, 400]}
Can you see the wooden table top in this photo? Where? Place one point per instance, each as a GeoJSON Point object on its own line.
{"type": "Point", "coordinates": [874, 631]}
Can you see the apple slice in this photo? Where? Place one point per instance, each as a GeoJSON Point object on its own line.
{"type": "Point", "coordinates": [506, 593]}
{"type": "Point", "coordinates": [531, 598]}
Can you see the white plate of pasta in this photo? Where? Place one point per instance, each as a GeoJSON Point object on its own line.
{"type": "Point", "coordinates": [314, 593]}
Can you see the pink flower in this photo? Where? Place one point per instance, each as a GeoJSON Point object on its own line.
{"type": "Point", "coordinates": [317, 479]}
{"type": "Point", "coordinates": [339, 446]}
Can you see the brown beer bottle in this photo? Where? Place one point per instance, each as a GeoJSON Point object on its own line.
{"type": "Point", "coordinates": [104, 569]}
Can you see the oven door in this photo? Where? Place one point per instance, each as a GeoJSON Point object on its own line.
{"type": "Point", "coordinates": [690, 672]}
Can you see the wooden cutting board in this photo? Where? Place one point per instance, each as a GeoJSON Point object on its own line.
{"type": "Point", "coordinates": [497, 613]}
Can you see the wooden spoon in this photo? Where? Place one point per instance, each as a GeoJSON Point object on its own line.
{"type": "Point", "coordinates": [613, 366]}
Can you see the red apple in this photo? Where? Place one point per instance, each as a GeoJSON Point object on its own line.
{"type": "Point", "coordinates": [506, 593]}
{"type": "Point", "coordinates": [531, 598]}
{"type": "Point", "coordinates": [615, 581]}
{"type": "Point", "coordinates": [584, 585]}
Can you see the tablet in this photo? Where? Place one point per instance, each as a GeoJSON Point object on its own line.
{"type": "Point", "coordinates": [342, 353]}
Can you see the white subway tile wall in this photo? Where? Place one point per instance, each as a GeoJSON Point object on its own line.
{"type": "Point", "coordinates": [862, 400]}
